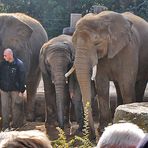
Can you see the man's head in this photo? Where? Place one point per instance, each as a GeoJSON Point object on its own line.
{"type": "Point", "coordinates": [121, 135]}
{"type": "Point", "coordinates": [8, 55]}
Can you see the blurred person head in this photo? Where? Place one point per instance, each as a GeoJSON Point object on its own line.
{"type": "Point", "coordinates": [24, 139]}
{"type": "Point", "coordinates": [143, 143]}
{"type": "Point", "coordinates": [121, 135]}
{"type": "Point", "coordinates": [8, 55]}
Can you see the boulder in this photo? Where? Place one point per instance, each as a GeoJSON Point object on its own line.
{"type": "Point", "coordinates": [136, 113]}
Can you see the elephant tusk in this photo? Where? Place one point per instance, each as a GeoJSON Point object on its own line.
{"type": "Point", "coordinates": [70, 72]}
{"type": "Point", "coordinates": [94, 72]}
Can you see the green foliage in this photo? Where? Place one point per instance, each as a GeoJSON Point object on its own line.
{"type": "Point", "coordinates": [86, 143]}
{"type": "Point", "coordinates": [138, 7]}
{"type": "Point", "coordinates": [61, 142]}
{"type": "Point", "coordinates": [83, 141]}
{"type": "Point", "coordinates": [54, 15]}
{"type": "Point", "coordinates": [3, 8]}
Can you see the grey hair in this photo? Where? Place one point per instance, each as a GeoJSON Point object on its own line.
{"type": "Point", "coordinates": [122, 135]}
{"type": "Point", "coordinates": [8, 50]}
{"type": "Point", "coordinates": [24, 139]}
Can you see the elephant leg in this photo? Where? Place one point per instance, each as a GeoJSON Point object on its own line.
{"type": "Point", "coordinates": [79, 112]}
{"type": "Point", "coordinates": [139, 90]}
{"type": "Point", "coordinates": [50, 105]}
{"type": "Point", "coordinates": [103, 101]}
{"type": "Point", "coordinates": [67, 107]}
{"type": "Point", "coordinates": [119, 96]}
{"type": "Point", "coordinates": [127, 91]}
{"type": "Point", "coordinates": [50, 102]}
{"type": "Point", "coordinates": [94, 104]}
{"type": "Point", "coordinates": [72, 112]}
{"type": "Point", "coordinates": [32, 85]}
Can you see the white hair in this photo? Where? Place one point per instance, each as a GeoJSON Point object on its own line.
{"type": "Point", "coordinates": [25, 139]}
{"type": "Point", "coordinates": [8, 50]}
{"type": "Point", "coordinates": [121, 135]}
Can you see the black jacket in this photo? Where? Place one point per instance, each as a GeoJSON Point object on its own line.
{"type": "Point", "coordinates": [12, 76]}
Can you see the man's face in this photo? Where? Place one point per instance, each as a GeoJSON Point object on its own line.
{"type": "Point", "coordinates": [7, 56]}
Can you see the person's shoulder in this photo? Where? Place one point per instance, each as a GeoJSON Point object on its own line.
{"type": "Point", "coordinates": [19, 61]}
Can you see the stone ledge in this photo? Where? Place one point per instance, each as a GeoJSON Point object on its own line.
{"type": "Point", "coordinates": [135, 112]}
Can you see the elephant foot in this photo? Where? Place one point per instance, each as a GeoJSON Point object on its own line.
{"type": "Point", "coordinates": [67, 125]}
{"type": "Point", "coordinates": [30, 117]}
{"type": "Point", "coordinates": [66, 121]}
{"type": "Point", "coordinates": [17, 125]}
{"type": "Point", "coordinates": [77, 132]}
{"type": "Point", "coordinates": [6, 128]}
{"type": "Point", "coordinates": [51, 131]}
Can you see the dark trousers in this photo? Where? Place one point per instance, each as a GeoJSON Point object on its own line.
{"type": "Point", "coordinates": [12, 106]}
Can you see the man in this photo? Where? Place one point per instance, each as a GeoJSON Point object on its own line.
{"type": "Point", "coordinates": [121, 135]}
{"type": "Point", "coordinates": [12, 85]}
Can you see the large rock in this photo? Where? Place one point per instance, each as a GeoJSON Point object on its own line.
{"type": "Point", "coordinates": [135, 112]}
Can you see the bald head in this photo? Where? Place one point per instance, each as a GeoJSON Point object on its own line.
{"type": "Point", "coordinates": [8, 55]}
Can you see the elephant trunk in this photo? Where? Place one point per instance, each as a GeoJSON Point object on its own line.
{"type": "Point", "coordinates": [84, 72]}
{"type": "Point", "coordinates": [60, 98]}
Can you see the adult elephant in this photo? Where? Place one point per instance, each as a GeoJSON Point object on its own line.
{"type": "Point", "coordinates": [118, 45]}
{"type": "Point", "coordinates": [56, 58]}
{"type": "Point", "coordinates": [25, 36]}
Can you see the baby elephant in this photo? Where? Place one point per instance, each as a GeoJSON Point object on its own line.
{"type": "Point", "coordinates": [56, 58]}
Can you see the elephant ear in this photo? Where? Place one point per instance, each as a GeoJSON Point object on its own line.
{"type": "Point", "coordinates": [16, 32]}
{"type": "Point", "coordinates": [42, 58]}
{"type": "Point", "coordinates": [71, 49]}
{"type": "Point", "coordinates": [119, 37]}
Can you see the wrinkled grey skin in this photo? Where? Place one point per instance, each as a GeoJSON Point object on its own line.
{"type": "Point", "coordinates": [56, 58]}
{"type": "Point", "coordinates": [118, 45]}
{"type": "Point", "coordinates": [25, 36]}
